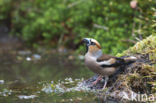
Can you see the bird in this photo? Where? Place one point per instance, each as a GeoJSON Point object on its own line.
{"type": "Point", "coordinates": [102, 64]}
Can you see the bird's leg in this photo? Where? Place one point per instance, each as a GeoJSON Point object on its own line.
{"type": "Point", "coordinates": [106, 79]}
{"type": "Point", "coordinates": [98, 79]}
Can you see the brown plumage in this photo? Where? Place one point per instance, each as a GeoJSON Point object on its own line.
{"type": "Point", "coordinates": [102, 64]}
{"type": "Point", "coordinates": [104, 57]}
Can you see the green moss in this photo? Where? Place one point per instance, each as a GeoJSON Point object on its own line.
{"type": "Point", "coordinates": [146, 46]}
{"type": "Point", "coordinates": [140, 76]}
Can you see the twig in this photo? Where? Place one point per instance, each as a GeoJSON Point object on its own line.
{"type": "Point", "coordinates": [60, 40]}
{"type": "Point", "coordinates": [100, 26]}
{"type": "Point", "coordinates": [130, 41]}
{"type": "Point", "coordinates": [138, 31]}
{"type": "Point", "coordinates": [75, 3]}
{"type": "Point", "coordinates": [133, 32]}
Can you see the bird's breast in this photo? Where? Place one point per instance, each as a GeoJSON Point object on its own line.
{"type": "Point", "coordinates": [90, 62]}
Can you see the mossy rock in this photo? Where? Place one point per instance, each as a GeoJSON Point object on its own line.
{"type": "Point", "coordinates": [142, 77]}
{"type": "Point", "coordinates": [146, 47]}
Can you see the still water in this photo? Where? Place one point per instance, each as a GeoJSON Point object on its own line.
{"type": "Point", "coordinates": [40, 78]}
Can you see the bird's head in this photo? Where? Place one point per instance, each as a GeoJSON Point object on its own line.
{"type": "Point", "coordinates": [92, 45]}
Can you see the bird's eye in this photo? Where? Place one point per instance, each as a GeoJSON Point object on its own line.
{"type": "Point", "coordinates": [92, 43]}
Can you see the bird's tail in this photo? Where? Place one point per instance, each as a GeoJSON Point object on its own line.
{"type": "Point", "coordinates": [129, 59]}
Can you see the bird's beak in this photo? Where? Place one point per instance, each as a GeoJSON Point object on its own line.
{"type": "Point", "coordinates": [86, 41]}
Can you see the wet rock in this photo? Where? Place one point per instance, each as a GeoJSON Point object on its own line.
{"type": "Point", "coordinates": [1, 81]}
{"type": "Point", "coordinates": [62, 49]}
{"type": "Point", "coordinates": [89, 82]}
{"type": "Point", "coordinates": [24, 52]}
{"type": "Point", "coordinates": [70, 57]}
{"type": "Point", "coordinates": [27, 97]}
{"type": "Point", "coordinates": [5, 92]}
{"type": "Point", "coordinates": [28, 58]}
{"type": "Point", "coordinates": [36, 56]}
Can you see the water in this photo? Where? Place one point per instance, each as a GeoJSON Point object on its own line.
{"type": "Point", "coordinates": [38, 78]}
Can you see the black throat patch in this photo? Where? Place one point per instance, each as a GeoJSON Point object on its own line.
{"type": "Point", "coordinates": [86, 48]}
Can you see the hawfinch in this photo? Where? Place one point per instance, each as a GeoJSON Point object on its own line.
{"type": "Point", "coordinates": [102, 64]}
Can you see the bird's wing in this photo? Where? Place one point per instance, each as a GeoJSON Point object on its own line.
{"type": "Point", "coordinates": [104, 57]}
{"type": "Point", "coordinates": [109, 61]}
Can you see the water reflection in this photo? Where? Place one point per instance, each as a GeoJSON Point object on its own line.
{"type": "Point", "coordinates": [49, 78]}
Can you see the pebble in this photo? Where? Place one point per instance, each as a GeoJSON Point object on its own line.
{"type": "Point", "coordinates": [1, 81]}
{"type": "Point", "coordinates": [27, 97]}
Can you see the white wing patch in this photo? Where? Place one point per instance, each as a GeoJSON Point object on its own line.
{"type": "Point", "coordinates": [131, 58]}
{"type": "Point", "coordinates": [107, 62]}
